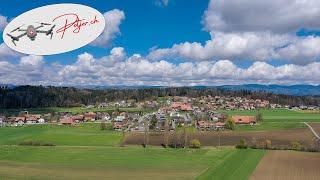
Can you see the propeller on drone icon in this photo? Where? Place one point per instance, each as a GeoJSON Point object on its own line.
{"type": "Point", "coordinates": [16, 29]}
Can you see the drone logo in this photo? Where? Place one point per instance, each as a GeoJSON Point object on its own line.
{"type": "Point", "coordinates": [31, 32]}
{"type": "Point", "coordinates": [65, 27]}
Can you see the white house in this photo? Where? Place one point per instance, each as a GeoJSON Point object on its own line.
{"type": "Point", "coordinates": [41, 121]}
{"type": "Point", "coordinates": [106, 118]}
{"type": "Point", "coordinates": [119, 118]}
{"type": "Point", "coordinates": [2, 120]}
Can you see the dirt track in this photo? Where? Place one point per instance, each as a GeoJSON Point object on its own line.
{"type": "Point", "coordinates": [316, 127]}
{"type": "Point", "coordinates": [230, 138]}
{"type": "Point", "coordinates": [289, 165]}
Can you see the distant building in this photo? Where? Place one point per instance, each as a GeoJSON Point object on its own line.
{"type": "Point", "coordinates": [244, 119]}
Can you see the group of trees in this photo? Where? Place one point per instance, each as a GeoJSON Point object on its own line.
{"type": "Point", "coordinates": [50, 96]}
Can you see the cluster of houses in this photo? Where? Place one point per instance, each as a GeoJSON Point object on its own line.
{"type": "Point", "coordinates": [23, 118]}
{"type": "Point", "coordinates": [170, 113]}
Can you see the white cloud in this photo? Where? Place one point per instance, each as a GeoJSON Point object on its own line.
{"type": "Point", "coordinates": [253, 30]}
{"type": "Point", "coordinates": [5, 51]}
{"type": "Point", "coordinates": [137, 70]}
{"type": "Point", "coordinates": [280, 16]}
{"type": "Point", "coordinates": [3, 22]}
{"type": "Point", "coordinates": [249, 45]}
{"type": "Point", "coordinates": [113, 20]}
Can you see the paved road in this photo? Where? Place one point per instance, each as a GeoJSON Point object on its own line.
{"type": "Point", "coordinates": [313, 131]}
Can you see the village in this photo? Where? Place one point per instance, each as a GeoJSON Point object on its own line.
{"type": "Point", "coordinates": [169, 113]}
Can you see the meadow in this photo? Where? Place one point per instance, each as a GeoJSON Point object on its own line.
{"type": "Point", "coordinates": [88, 134]}
{"type": "Point", "coordinates": [86, 152]}
{"type": "Point", "coordinates": [280, 115]}
{"type": "Point", "coordinates": [124, 163]}
{"type": "Point", "coordinates": [276, 119]}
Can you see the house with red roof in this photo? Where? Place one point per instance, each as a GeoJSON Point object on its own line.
{"type": "Point", "coordinates": [244, 119]}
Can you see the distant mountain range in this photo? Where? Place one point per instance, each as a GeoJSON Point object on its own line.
{"type": "Point", "coordinates": [296, 90]}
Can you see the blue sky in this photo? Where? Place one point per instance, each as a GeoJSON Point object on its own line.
{"type": "Point", "coordinates": [181, 42]}
{"type": "Point", "coordinates": [146, 22]}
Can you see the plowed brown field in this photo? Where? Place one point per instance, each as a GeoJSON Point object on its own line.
{"type": "Point", "coordinates": [291, 165]}
{"type": "Point", "coordinates": [231, 138]}
{"type": "Point", "coordinates": [316, 127]}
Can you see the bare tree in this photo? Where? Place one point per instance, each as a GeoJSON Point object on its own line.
{"type": "Point", "coordinates": [166, 133]}
{"type": "Point", "coordinates": [146, 132]}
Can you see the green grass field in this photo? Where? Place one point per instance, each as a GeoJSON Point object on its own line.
{"type": "Point", "coordinates": [124, 163]}
{"type": "Point", "coordinates": [280, 115]}
{"type": "Point", "coordinates": [277, 119]}
{"type": "Point", "coordinates": [82, 135]}
{"type": "Point", "coordinates": [271, 126]}
{"type": "Point", "coordinates": [237, 165]}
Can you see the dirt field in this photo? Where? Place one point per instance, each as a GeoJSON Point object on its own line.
{"type": "Point", "coordinates": [316, 127]}
{"type": "Point", "coordinates": [230, 138]}
{"type": "Point", "coordinates": [288, 165]}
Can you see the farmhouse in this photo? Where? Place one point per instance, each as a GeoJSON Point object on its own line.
{"type": "Point", "coordinates": [31, 120]}
{"type": "Point", "coordinates": [2, 120]}
{"type": "Point", "coordinates": [90, 116]}
{"type": "Point", "coordinates": [244, 119]}
{"type": "Point", "coordinates": [118, 126]}
{"type": "Point", "coordinates": [77, 118]}
{"type": "Point", "coordinates": [220, 125]}
{"type": "Point", "coordinates": [181, 106]}
{"type": "Point", "coordinates": [66, 121]}
{"type": "Point", "coordinates": [205, 125]}
{"type": "Point", "coordinates": [18, 121]}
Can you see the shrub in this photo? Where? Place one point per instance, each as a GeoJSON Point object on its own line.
{"type": "Point", "coordinates": [195, 143]}
{"type": "Point", "coordinates": [268, 144]}
{"type": "Point", "coordinates": [109, 126]}
{"type": "Point", "coordinates": [242, 144]}
{"type": "Point", "coordinates": [103, 125]}
{"type": "Point", "coordinates": [230, 124]}
{"type": "Point", "coordinates": [295, 145]}
{"type": "Point", "coordinates": [35, 143]}
{"type": "Point", "coordinates": [259, 117]}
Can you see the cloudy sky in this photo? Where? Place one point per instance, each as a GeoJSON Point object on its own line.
{"type": "Point", "coordinates": [180, 42]}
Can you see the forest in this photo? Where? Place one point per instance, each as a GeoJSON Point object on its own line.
{"type": "Point", "coordinates": [52, 96]}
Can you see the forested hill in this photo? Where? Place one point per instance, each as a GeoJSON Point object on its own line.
{"type": "Point", "coordinates": [40, 96]}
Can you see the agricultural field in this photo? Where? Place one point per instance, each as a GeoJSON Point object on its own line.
{"type": "Point", "coordinates": [277, 119]}
{"type": "Point", "coordinates": [238, 165]}
{"type": "Point", "coordinates": [281, 138]}
{"type": "Point", "coordinates": [316, 127]}
{"type": "Point", "coordinates": [124, 163]}
{"type": "Point", "coordinates": [271, 126]}
{"type": "Point", "coordinates": [280, 115]}
{"type": "Point", "coordinates": [288, 165]}
{"type": "Point", "coordinates": [82, 135]}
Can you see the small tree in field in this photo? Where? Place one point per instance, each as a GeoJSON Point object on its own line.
{"type": "Point", "coordinates": [242, 144]}
{"type": "Point", "coordinates": [230, 124]}
{"type": "Point", "coordinates": [103, 125]}
{"type": "Point", "coordinates": [195, 143]}
{"type": "Point", "coordinates": [268, 144]}
{"type": "Point", "coordinates": [259, 117]}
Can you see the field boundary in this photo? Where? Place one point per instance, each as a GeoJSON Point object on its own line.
{"type": "Point", "coordinates": [313, 131]}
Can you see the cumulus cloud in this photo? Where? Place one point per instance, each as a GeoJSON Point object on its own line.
{"type": "Point", "coordinates": [279, 16]}
{"type": "Point", "coordinates": [3, 22]}
{"type": "Point", "coordinates": [254, 30]}
{"type": "Point", "coordinates": [113, 20]}
{"type": "Point", "coordinates": [29, 70]}
{"type": "Point", "coordinates": [138, 70]}
{"type": "Point", "coordinates": [5, 51]}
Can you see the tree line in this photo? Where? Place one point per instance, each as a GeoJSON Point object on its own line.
{"type": "Point", "coordinates": [52, 96]}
